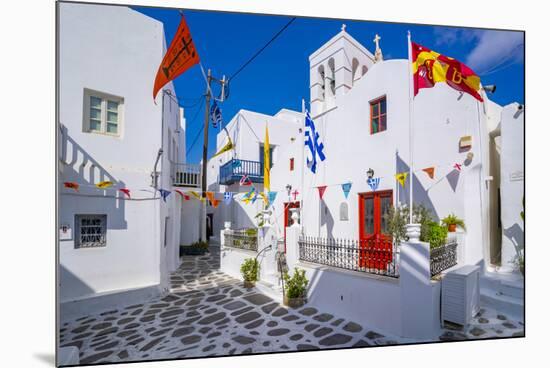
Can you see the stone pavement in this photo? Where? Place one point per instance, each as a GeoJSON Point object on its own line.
{"type": "Point", "coordinates": [208, 313]}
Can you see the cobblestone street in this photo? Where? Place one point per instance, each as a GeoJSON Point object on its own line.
{"type": "Point", "coordinates": [208, 313]}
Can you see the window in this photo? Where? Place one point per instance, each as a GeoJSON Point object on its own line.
{"type": "Point", "coordinates": [378, 115]}
{"type": "Point", "coordinates": [344, 216]}
{"type": "Point", "coordinates": [90, 231]}
{"type": "Point", "coordinates": [102, 113]}
{"type": "Point", "coordinates": [262, 156]}
{"type": "Point", "coordinates": [292, 164]}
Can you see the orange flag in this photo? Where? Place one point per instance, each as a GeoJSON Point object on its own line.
{"type": "Point", "coordinates": [215, 202]}
{"type": "Point", "coordinates": [210, 196]}
{"type": "Point", "coordinates": [181, 55]}
{"type": "Point", "coordinates": [430, 171]}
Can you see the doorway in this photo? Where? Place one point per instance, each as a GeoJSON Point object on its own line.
{"type": "Point", "coordinates": [375, 244]}
{"type": "Point", "coordinates": [288, 214]}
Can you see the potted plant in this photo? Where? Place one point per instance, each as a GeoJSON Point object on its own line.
{"type": "Point", "coordinates": [295, 288]}
{"type": "Point", "coordinates": [196, 249]}
{"type": "Point", "coordinates": [250, 269]}
{"type": "Point", "coordinates": [434, 234]}
{"type": "Point", "coordinates": [452, 221]}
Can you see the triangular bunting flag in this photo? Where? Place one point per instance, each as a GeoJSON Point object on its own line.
{"type": "Point", "coordinates": [264, 197]}
{"type": "Point", "coordinates": [164, 193]}
{"type": "Point", "coordinates": [271, 197]}
{"type": "Point", "coordinates": [245, 181]}
{"type": "Point", "coordinates": [401, 178]}
{"type": "Point", "coordinates": [373, 183]}
{"type": "Point", "coordinates": [346, 188]}
{"type": "Point", "coordinates": [71, 185]}
{"type": "Point", "coordinates": [458, 166]}
{"type": "Point", "coordinates": [104, 184]}
{"type": "Point", "coordinates": [215, 202]}
{"type": "Point", "coordinates": [196, 195]}
{"type": "Point", "coordinates": [227, 196]}
{"type": "Point", "coordinates": [430, 171]}
{"type": "Point", "coordinates": [210, 196]}
{"type": "Point", "coordinates": [180, 193]}
{"type": "Point", "coordinates": [322, 191]}
{"type": "Point", "coordinates": [125, 191]}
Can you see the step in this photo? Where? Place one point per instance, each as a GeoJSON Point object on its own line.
{"type": "Point", "coordinates": [273, 291]}
{"type": "Point", "coordinates": [504, 304]}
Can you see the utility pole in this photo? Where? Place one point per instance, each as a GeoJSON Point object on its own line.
{"type": "Point", "coordinates": [202, 222]}
{"type": "Point", "coordinates": [223, 82]}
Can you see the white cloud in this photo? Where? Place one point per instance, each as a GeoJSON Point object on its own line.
{"type": "Point", "coordinates": [495, 49]}
{"type": "Point", "coordinates": [491, 49]}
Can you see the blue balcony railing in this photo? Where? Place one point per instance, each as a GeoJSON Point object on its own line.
{"type": "Point", "coordinates": [233, 170]}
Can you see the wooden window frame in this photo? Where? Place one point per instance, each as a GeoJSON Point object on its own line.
{"type": "Point", "coordinates": [378, 102]}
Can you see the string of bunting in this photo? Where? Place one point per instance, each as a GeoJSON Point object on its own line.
{"type": "Point", "coordinates": [253, 194]}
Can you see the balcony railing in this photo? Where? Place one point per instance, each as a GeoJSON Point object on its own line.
{"type": "Point", "coordinates": [233, 170]}
{"type": "Point", "coordinates": [241, 239]}
{"type": "Point", "coordinates": [376, 256]}
{"type": "Point", "coordinates": [186, 175]}
{"type": "Point", "coordinates": [443, 257]}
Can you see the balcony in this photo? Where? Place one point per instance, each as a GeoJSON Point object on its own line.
{"type": "Point", "coordinates": [186, 175]}
{"type": "Point", "coordinates": [232, 171]}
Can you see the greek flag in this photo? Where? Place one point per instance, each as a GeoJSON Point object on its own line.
{"type": "Point", "coordinates": [227, 196]}
{"type": "Point", "coordinates": [215, 115]}
{"type": "Point", "coordinates": [373, 183]}
{"type": "Point", "coordinates": [313, 143]}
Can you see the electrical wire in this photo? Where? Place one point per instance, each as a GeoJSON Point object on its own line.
{"type": "Point", "coordinates": [200, 131]}
{"type": "Point", "coordinates": [260, 50]}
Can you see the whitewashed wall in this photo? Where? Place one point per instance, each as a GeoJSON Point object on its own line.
{"type": "Point", "coordinates": [512, 184]}
{"type": "Point", "coordinates": [92, 56]}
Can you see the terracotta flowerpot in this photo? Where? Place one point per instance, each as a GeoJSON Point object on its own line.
{"type": "Point", "coordinates": [451, 228]}
{"type": "Point", "coordinates": [294, 302]}
{"type": "Point", "coordinates": [249, 284]}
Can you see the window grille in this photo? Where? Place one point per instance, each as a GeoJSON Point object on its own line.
{"type": "Point", "coordinates": [91, 231]}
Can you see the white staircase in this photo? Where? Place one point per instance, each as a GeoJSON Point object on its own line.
{"type": "Point", "coordinates": [503, 292]}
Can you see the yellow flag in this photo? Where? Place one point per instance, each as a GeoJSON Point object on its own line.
{"type": "Point", "coordinates": [228, 146]}
{"type": "Point", "coordinates": [267, 163]}
{"type": "Point", "coordinates": [196, 195]}
{"type": "Point", "coordinates": [264, 197]}
{"type": "Point", "coordinates": [401, 178]}
{"type": "Point", "coordinates": [104, 184]}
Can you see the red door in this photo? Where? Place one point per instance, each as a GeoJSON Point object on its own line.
{"type": "Point", "coordinates": [288, 220]}
{"type": "Point", "coordinates": [375, 245]}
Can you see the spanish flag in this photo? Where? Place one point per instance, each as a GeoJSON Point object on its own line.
{"type": "Point", "coordinates": [430, 67]}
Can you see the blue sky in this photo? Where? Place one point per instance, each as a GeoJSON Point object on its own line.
{"type": "Point", "coordinates": [279, 77]}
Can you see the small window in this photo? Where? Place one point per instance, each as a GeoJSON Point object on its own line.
{"type": "Point", "coordinates": [292, 164]}
{"type": "Point", "coordinates": [344, 216]}
{"type": "Point", "coordinates": [90, 231]}
{"type": "Point", "coordinates": [102, 113]}
{"type": "Point", "coordinates": [378, 120]}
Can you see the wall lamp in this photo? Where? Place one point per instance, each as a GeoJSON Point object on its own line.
{"type": "Point", "coordinates": [370, 173]}
{"type": "Point", "coordinates": [491, 88]}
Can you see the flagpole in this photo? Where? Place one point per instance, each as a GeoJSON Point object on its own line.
{"type": "Point", "coordinates": [411, 112]}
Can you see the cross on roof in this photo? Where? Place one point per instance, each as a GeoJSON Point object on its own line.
{"type": "Point", "coordinates": [376, 40]}
{"type": "Point", "coordinates": [343, 27]}
{"type": "Point", "coordinates": [295, 194]}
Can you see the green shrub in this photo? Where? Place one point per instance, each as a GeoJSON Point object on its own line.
{"type": "Point", "coordinates": [251, 231]}
{"type": "Point", "coordinates": [295, 286]}
{"type": "Point", "coordinates": [435, 234]}
{"type": "Point", "coordinates": [250, 269]}
{"type": "Point", "coordinates": [452, 219]}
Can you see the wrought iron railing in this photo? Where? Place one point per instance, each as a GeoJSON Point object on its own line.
{"type": "Point", "coordinates": [376, 256]}
{"type": "Point", "coordinates": [241, 239]}
{"type": "Point", "coordinates": [233, 170]}
{"type": "Point", "coordinates": [443, 257]}
{"type": "Point", "coordinates": [186, 175]}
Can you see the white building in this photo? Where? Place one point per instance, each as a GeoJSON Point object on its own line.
{"type": "Point", "coordinates": [115, 249]}
{"type": "Point", "coordinates": [360, 106]}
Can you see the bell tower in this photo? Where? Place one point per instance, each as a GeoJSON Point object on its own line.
{"type": "Point", "coordinates": [334, 68]}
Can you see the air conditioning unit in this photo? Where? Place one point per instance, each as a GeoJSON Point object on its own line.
{"type": "Point", "coordinates": [460, 295]}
